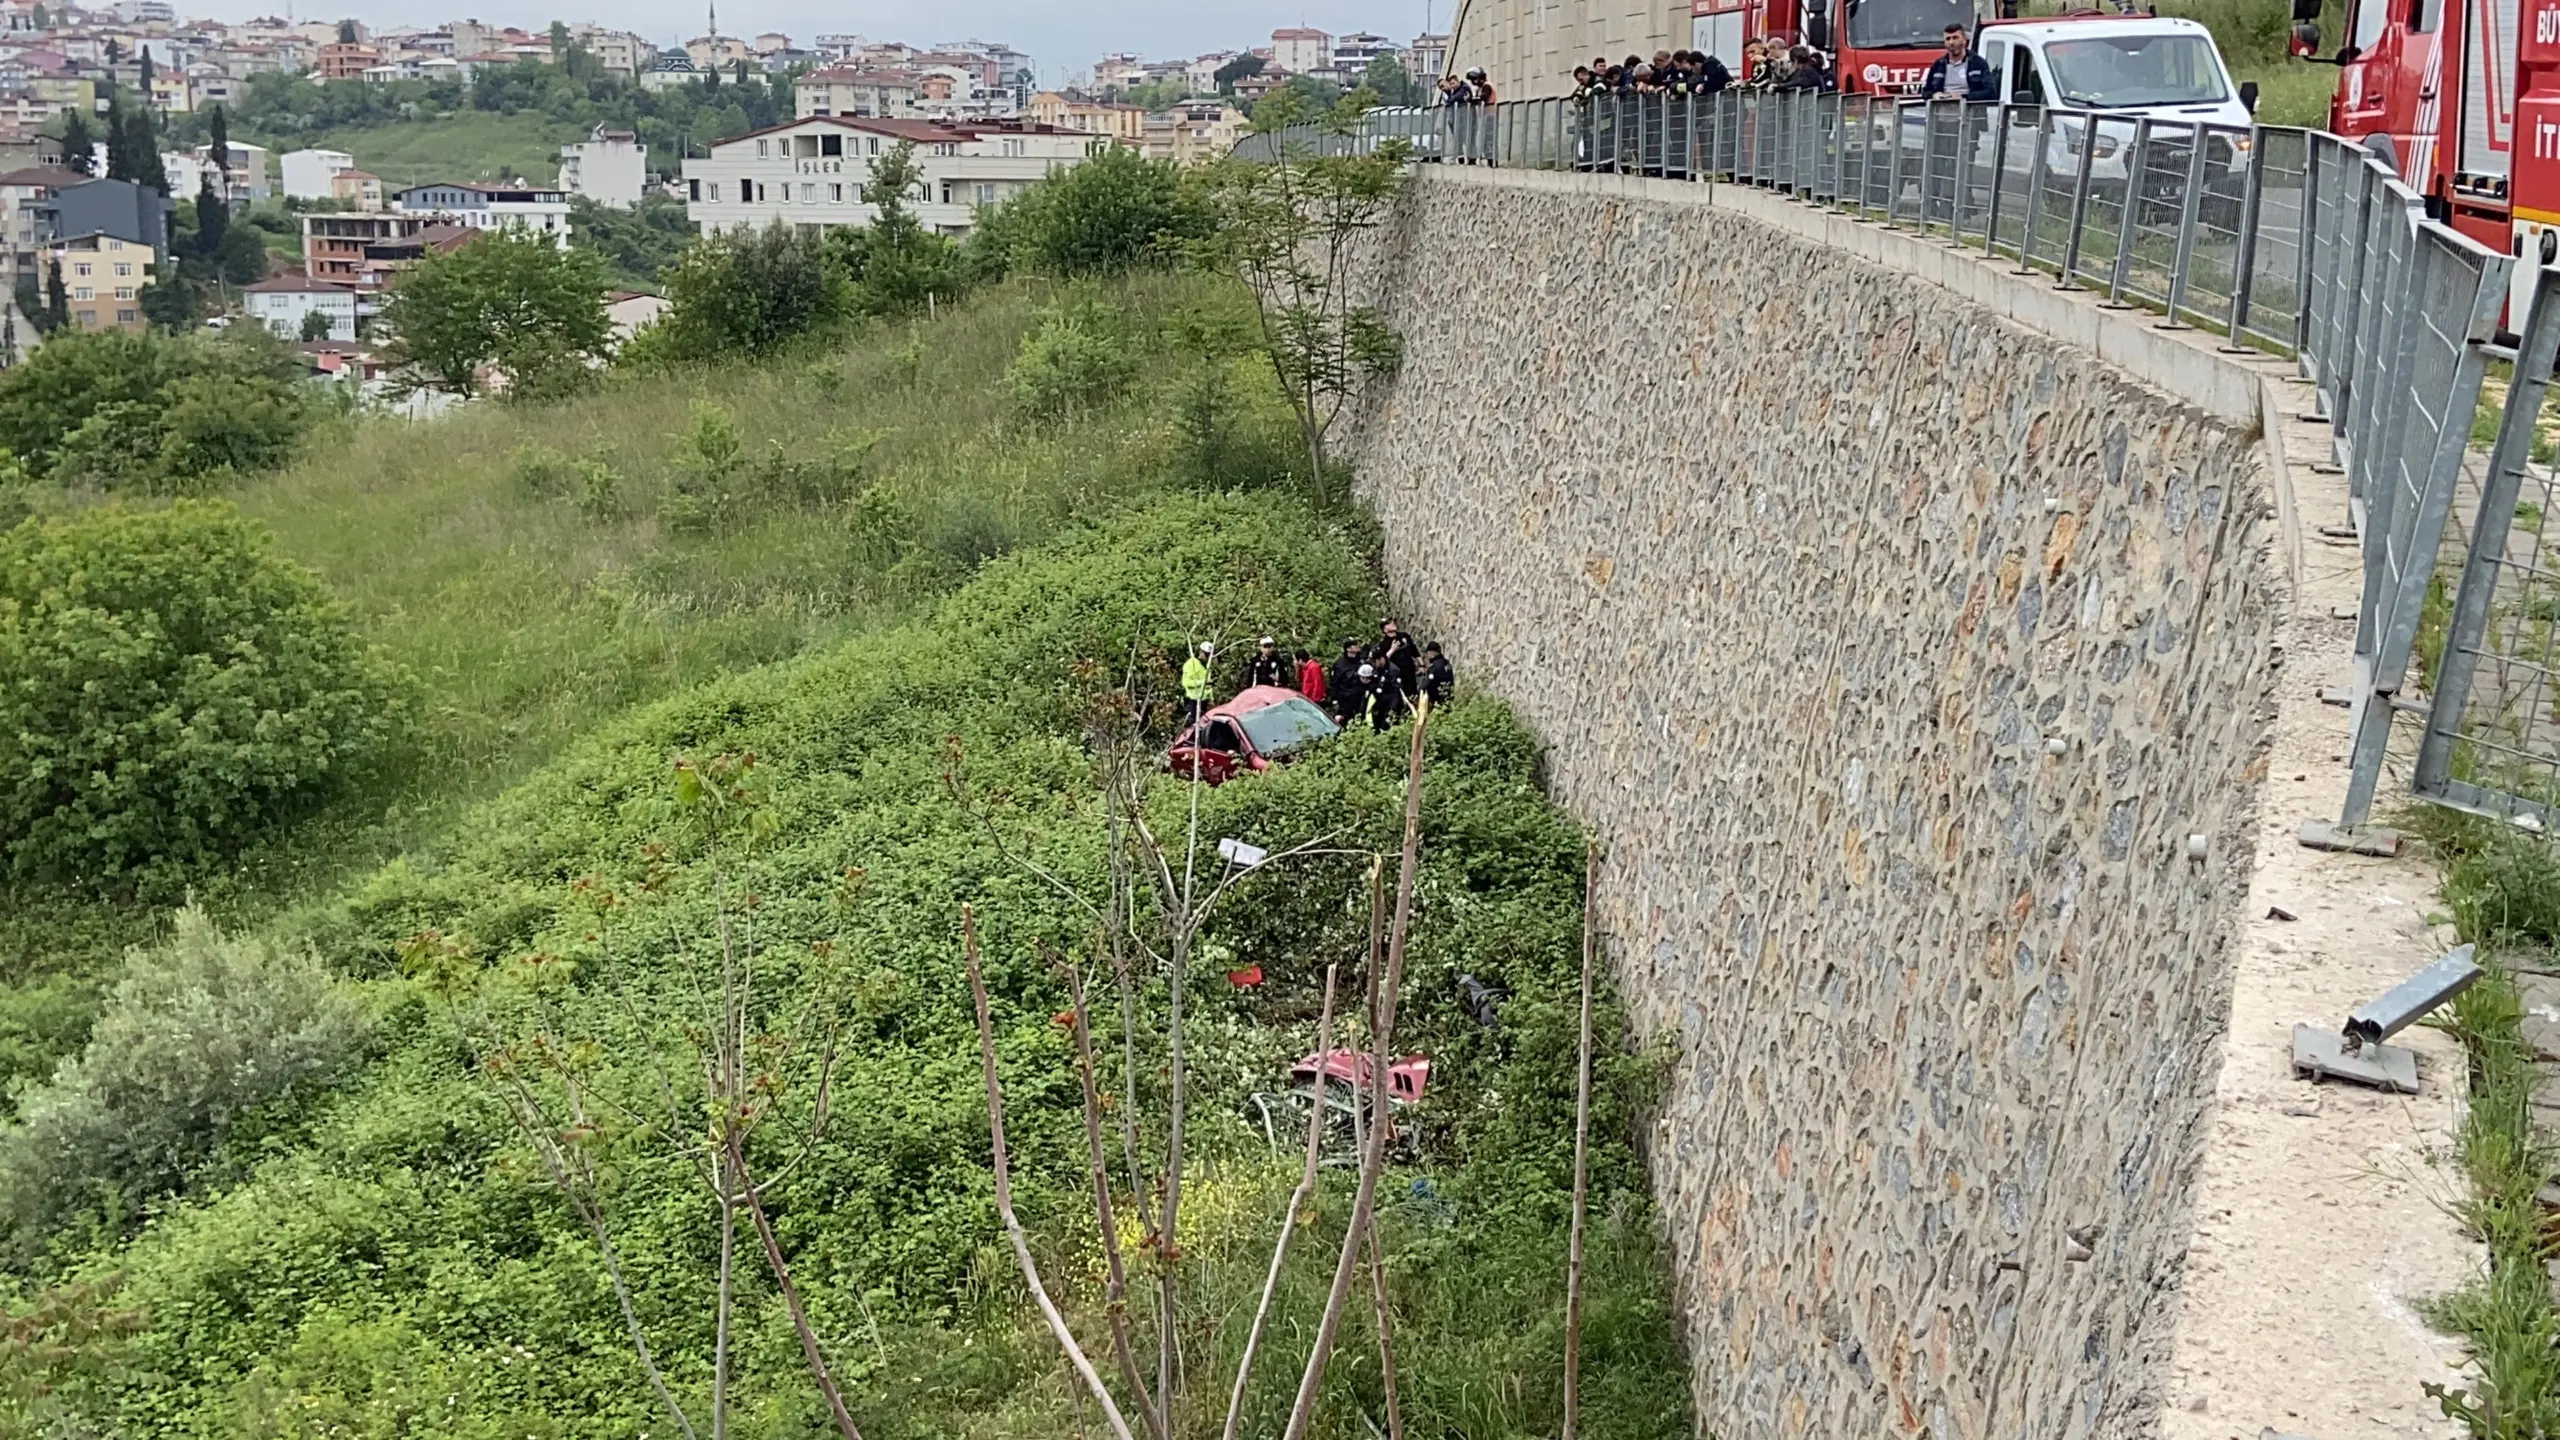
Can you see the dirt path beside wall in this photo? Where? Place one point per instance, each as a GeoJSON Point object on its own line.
{"type": "Point", "coordinates": [2321, 1216]}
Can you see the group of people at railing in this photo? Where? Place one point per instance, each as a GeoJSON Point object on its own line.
{"type": "Point", "coordinates": [1635, 107]}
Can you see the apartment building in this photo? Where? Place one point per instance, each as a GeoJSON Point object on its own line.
{"type": "Point", "coordinates": [285, 303]}
{"type": "Point", "coordinates": [1301, 51]}
{"type": "Point", "coordinates": [357, 188]}
{"type": "Point", "coordinates": [42, 204]}
{"type": "Point", "coordinates": [1427, 58]}
{"type": "Point", "coordinates": [245, 184]}
{"type": "Point", "coordinates": [1200, 77]}
{"type": "Point", "coordinates": [810, 172]}
{"type": "Point", "coordinates": [610, 167]}
{"type": "Point", "coordinates": [1093, 117]}
{"type": "Point", "coordinates": [490, 207]}
{"type": "Point", "coordinates": [340, 61]}
{"type": "Point", "coordinates": [102, 279]}
{"type": "Point", "coordinates": [842, 90]}
{"type": "Point", "coordinates": [617, 52]}
{"type": "Point", "coordinates": [365, 252]}
{"type": "Point", "coordinates": [1195, 132]}
{"type": "Point", "coordinates": [307, 172]}
{"type": "Point", "coordinates": [1124, 71]}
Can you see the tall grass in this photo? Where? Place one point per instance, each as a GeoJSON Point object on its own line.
{"type": "Point", "coordinates": [2503, 886]}
{"type": "Point", "coordinates": [533, 616]}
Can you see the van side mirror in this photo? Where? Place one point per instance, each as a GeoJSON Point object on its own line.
{"type": "Point", "coordinates": [2249, 96]}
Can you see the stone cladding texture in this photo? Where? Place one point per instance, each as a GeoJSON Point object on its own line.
{"type": "Point", "coordinates": [1895, 653]}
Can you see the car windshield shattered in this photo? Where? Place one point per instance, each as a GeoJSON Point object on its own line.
{"type": "Point", "coordinates": [2127, 70]}
{"type": "Point", "coordinates": [1906, 24]}
{"type": "Point", "coordinates": [1280, 729]}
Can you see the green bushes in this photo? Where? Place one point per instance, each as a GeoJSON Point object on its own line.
{"type": "Point", "coordinates": [511, 300]}
{"type": "Point", "coordinates": [1075, 362]}
{"type": "Point", "coordinates": [169, 691]}
{"type": "Point", "coordinates": [747, 293]}
{"type": "Point", "coordinates": [147, 412]}
{"type": "Point", "coordinates": [1114, 212]}
{"type": "Point", "coordinates": [196, 1038]}
{"type": "Point", "coordinates": [406, 1234]}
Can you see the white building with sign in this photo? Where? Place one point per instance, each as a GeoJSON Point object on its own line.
{"type": "Point", "coordinates": [811, 172]}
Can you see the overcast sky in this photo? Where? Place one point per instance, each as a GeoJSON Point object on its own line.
{"type": "Point", "coordinates": [1061, 38]}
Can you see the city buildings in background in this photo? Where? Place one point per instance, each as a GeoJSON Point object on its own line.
{"type": "Point", "coordinates": [610, 167]}
{"type": "Point", "coordinates": [983, 126]}
{"type": "Point", "coordinates": [810, 173]}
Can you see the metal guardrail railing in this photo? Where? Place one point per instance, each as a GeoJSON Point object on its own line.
{"type": "Point", "coordinates": [2293, 243]}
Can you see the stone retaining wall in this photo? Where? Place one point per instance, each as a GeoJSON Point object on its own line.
{"type": "Point", "coordinates": [1896, 653]}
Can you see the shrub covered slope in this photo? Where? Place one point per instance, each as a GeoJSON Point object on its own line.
{"type": "Point", "coordinates": [391, 1254]}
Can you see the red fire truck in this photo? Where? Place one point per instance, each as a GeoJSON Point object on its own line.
{"type": "Point", "coordinates": [2463, 98]}
{"type": "Point", "coordinates": [1883, 46]}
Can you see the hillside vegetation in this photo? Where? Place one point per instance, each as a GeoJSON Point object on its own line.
{"type": "Point", "coordinates": [463, 145]}
{"type": "Point", "coordinates": [390, 1121]}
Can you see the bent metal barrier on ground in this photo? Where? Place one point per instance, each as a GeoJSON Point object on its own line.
{"type": "Point", "coordinates": [2291, 242]}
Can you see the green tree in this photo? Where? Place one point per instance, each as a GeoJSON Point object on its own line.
{"type": "Point", "coordinates": [1073, 364]}
{"type": "Point", "coordinates": [242, 257]}
{"type": "Point", "coordinates": [895, 264]}
{"type": "Point", "coordinates": [1109, 214]}
{"type": "Point", "coordinates": [142, 147]}
{"type": "Point", "coordinates": [511, 299]}
{"type": "Point", "coordinates": [747, 293]}
{"type": "Point", "coordinates": [1289, 229]}
{"type": "Point", "coordinates": [47, 404]}
{"type": "Point", "coordinates": [171, 303]}
{"type": "Point", "coordinates": [347, 32]}
{"type": "Point", "coordinates": [57, 304]}
{"type": "Point", "coordinates": [315, 325]}
{"type": "Point", "coordinates": [1387, 78]}
{"type": "Point", "coordinates": [213, 198]}
{"type": "Point", "coordinates": [119, 142]}
{"type": "Point", "coordinates": [1243, 67]}
{"type": "Point", "coordinates": [637, 243]}
{"type": "Point", "coordinates": [114, 621]}
{"type": "Point", "coordinates": [79, 143]}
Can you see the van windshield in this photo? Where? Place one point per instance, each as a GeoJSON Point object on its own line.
{"type": "Point", "coordinates": [2119, 71]}
{"type": "Point", "coordinates": [1906, 24]}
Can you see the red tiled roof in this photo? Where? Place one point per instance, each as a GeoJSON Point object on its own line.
{"type": "Point", "coordinates": [923, 132]}
{"type": "Point", "coordinates": [55, 177]}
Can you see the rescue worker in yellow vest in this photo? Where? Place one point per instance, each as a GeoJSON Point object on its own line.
{"type": "Point", "coordinates": [1195, 680]}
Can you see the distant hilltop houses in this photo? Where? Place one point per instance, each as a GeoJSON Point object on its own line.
{"type": "Point", "coordinates": [983, 125]}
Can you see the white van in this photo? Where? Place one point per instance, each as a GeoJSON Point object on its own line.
{"type": "Point", "coordinates": [2114, 70]}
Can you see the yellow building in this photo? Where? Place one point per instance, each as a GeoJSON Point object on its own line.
{"type": "Point", "coordinates": [1093, 117]}
{"type": "Point", "coordinates": [102, 280]}
{"type": "Point", "coordinates": [1194, 132]}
